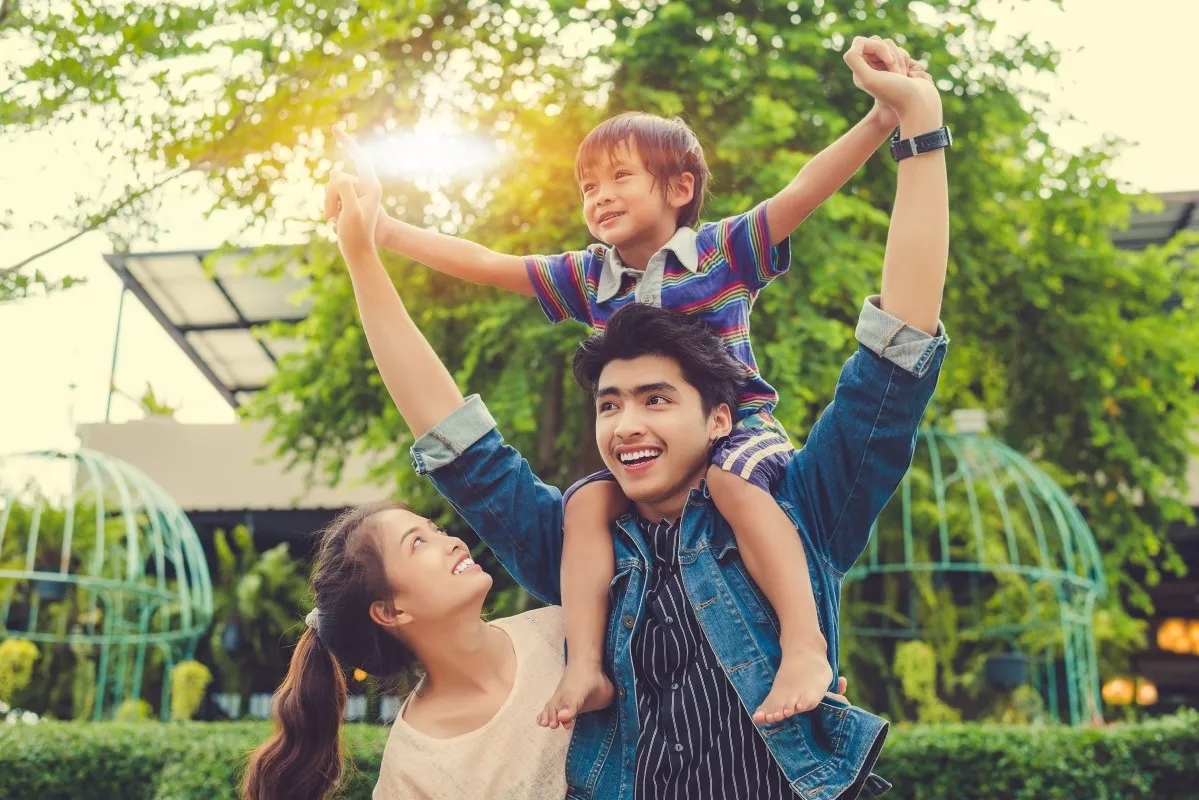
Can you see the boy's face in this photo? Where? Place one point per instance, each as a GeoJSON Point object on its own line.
{"type": "Point", "coordinates": [652, 432]}
{"type": "Point", "coordinates": [623, 205]}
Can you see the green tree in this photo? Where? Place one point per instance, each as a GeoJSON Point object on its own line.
{"type": "Point", "coordinates": [1087, 354]}
{"type": "Point", "coordinates": [18, 284]}
{"type": "Point", "coordinates": [259, 602]}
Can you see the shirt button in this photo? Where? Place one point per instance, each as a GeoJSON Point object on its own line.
{"type": "Point", "coordinates": [674, 686]}
{"type": "Point", "coordinates": [628, 622]}
{"type": "Point", "coordinates": [621, 692]}
{"type": "Point", "coordinates": [669, 620]}
{"type": "Point", "coordinates": [678, 748]}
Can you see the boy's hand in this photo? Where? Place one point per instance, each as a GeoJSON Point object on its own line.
{"type": "Point", "coordinates": [885, 117]}
{"type": "Point", "coordinates": [353, 203]}
{"type": "Point", "coordinates": [887, 73]}
{"type": "Point", "coordinates": [361, 186]}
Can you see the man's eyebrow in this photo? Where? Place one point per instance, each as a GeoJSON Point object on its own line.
{"type": "Point", "coordinates": [638, 391]}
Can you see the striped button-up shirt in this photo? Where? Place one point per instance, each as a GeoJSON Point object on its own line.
{"type": "Point", "coordinates": [696, 738]}
{"type": "Point", "coordinates": [714, 273]}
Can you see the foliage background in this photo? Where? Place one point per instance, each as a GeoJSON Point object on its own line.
{"type": "Point", "coordinates": [1086, 355]}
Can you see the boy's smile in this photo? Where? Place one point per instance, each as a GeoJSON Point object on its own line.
{"type": "Point", "coordinates": [607, 218]}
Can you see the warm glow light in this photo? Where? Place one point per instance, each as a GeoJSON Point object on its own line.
{"type": "Point", "coordinates": [431, 151]}
{"type": "Point", "coordinates": [1193, 630]}
{"type": "Point", "coordinates": [1118, 692]}
{"type": "Point", "coordinates": [1174, 636]}
{"type": "Point", "coordinates": [1123, 691]}
{"type": "Point", "coordinates": [360, 675]}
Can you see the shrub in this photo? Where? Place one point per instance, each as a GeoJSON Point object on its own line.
{"type": "Point", "coordinates": [184, 760]}
{"type": "Point", "coordinates": [189, 681]}
{"type": "Point", "coordinates": [134, 711]}
{"type": "Point", "coordinates": [16, 666]}
{"type": "Point", "coordinates": [1119, 762]}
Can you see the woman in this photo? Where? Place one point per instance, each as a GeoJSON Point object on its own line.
{"type": "Point", "coordinates": [392, 590]}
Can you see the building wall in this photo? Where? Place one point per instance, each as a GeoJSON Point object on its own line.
{"type": "Point", "coordinates": [222, 467]}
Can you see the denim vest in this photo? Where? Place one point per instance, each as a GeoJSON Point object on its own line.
{"type": "Point", "coordinates": [835, 486]}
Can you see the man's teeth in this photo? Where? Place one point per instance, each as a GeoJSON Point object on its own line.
{"type": "Point", "coordinates": [464, 564]}
{"type": "Point", "coordinates": [638, 455]}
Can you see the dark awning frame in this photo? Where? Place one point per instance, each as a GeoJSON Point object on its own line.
{"type": "Point", "coordinates": [216, 305]}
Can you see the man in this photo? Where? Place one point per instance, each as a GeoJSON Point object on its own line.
{"type": "Point", "coordinates": [691, 645]}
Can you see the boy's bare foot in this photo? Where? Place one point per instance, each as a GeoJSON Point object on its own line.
{"type": "Point", "coordinates": [584, 687]}
{"type": "Point", "coordinates": [801, 683]}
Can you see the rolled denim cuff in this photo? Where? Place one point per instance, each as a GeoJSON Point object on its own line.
{"type": "Point", "coordinates": [889, 337]}
{"type": "Point", "coordinates": [451, 437]}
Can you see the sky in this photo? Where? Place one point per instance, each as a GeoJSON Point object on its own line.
{"type": "Point", "coordinates": [1119, 65]}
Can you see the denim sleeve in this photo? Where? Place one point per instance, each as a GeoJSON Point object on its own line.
{"type": "Point", "coordinates": [861, 447]}
{"type": "Point", "coordinates": [492, 487]}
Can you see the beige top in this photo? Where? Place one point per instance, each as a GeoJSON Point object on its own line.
{"type": "Point", "coordinates": [511, 756]}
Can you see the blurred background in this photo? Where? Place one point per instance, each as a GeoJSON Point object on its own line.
{"type": "Point", "coordinates": [174, 316]}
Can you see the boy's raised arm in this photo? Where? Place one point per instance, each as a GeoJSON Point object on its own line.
{"type": "Point", "coordinates": [447, 254]}
{"type": "Point", "coordinates": [827, 172]}
{"type": "Point", "coordinates": [455, 257]}
{"type": "Point", "coordinates": [833, 166]}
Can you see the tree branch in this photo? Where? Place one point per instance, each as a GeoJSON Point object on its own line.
{"type": "Point", "coordinates": [94, 223]}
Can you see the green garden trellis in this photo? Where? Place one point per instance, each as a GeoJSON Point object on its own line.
{"type": "Point", "coordinates": [95, 555]}
{"type": "Point", "coordinates": [978, 525]}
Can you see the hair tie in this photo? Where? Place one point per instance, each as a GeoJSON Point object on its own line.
{"type": "Point", "coordinates": [313, 620]}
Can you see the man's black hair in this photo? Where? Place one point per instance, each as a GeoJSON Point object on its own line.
{"type": "Point", "coordinates": [641, 330]}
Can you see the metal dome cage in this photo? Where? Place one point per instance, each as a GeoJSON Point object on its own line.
{"type": "Point", "coordinates": [982, 555]}
{"type": "Point", "coordinates": [96, 558]}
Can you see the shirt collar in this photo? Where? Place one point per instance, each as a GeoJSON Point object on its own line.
{"type": "Point", "coordinates": [661, 537]}
{"type": "Point", "coordinates": [682, 244]}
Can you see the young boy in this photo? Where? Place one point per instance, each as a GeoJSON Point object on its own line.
{"type": "Point", "coordinates": [642, 179]}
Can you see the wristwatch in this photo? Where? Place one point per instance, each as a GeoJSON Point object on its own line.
{"type": "Point", "coordinates": [924, 143]}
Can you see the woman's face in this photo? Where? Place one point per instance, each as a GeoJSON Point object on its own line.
{"type": "Point", "coordinates": [431, 574]}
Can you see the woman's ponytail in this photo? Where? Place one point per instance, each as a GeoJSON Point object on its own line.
{"type": "Point", "coordinates": [303, 758]}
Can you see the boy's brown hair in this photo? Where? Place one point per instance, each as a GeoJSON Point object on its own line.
{"type": "Point", "coordinates": [668, 148]}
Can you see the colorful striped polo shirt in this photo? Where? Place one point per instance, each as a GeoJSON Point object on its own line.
{"type": "Point", "coordinates": [715, 272]}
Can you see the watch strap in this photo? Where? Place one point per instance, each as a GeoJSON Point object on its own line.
{"type": "Point", "coordinates": [924, 143]}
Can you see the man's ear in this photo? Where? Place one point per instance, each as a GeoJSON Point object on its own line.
{"type": "Point", "coordinates": [384, 614]}
{"type": "Point", "coordinates": [720, 422]}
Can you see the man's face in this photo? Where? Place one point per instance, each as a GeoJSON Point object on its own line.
{"type": "Point", "coordinates": [652, 432]}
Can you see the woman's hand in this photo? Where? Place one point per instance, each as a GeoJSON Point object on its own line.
{"type": "Point", "coordinates": [353, 203]}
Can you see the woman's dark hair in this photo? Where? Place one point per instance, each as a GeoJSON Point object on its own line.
{"type": "Point", "coordinates": [667, 146]}
{"type": "Point", "coordinates": [642, 330]}
{"type": "Point", "coordinates": [303, 758]}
